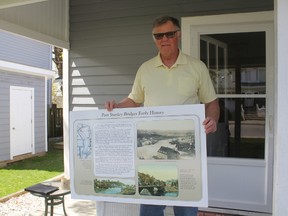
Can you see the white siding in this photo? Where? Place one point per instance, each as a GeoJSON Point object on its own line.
{"type": "Point", "coordinates": [23, 80]}
{"type": "Point", "coordinates": [17, 49]}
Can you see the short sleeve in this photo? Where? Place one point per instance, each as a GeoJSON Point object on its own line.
{"type": "Point", "coordinates": [206, 91]}
{"type": "Point", "coordinates": [137, 92]}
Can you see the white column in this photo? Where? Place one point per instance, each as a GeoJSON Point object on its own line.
{"type": "Point", "coordinates": [280, 183]}
{"type": "Point", "coordinates": [66, 148]}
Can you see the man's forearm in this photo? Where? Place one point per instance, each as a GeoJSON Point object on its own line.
{"type": "Point", "coordinates": [126, 102]}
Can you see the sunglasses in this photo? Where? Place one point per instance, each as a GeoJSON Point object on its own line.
{"type": "Point", "coordinates": [159, 36]}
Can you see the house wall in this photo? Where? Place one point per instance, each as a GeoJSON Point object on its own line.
{"type": "Point", "coordinates": [8, 79]}
{"type": "Point", "coordinates": [110, 39]}
{"type": "Point", "coordinates": [26, 51]}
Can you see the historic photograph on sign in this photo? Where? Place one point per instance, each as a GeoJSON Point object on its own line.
{"type": "Point", "coordinates": [165, 140]}
{"type": "Point", "coordinates": [114, 186]}
{"type": "Point", "coordinates": [159, 180]}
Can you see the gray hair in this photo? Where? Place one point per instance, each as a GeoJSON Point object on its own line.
{"type": "Point", "coordinates": [164, 19]}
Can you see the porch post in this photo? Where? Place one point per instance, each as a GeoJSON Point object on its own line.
{"type": "Point", "coordinates": [280, 183]}
{"type": "Point", "coordinates": [66, 108]}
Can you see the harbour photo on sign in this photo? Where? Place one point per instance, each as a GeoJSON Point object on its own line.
{"type": "Point", "coordinates": [166, 139]}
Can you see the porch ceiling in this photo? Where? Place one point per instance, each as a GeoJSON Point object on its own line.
{"type": "Point", "coordinates": [42, 20]}
{"type": "Point", "coordinates": [13, 3]}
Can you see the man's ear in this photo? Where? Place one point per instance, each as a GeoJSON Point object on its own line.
{"type": "Point", "coordinates": [179, 35]}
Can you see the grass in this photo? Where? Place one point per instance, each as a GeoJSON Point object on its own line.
{"type": "Point", "coordinates": [22, 174]}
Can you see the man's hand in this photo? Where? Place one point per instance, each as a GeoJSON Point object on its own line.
{"type": "Point", "coordinates": [210, 125]}
{"type": "Point", "coordinates": [126, 102]}
{"type": "Point", "coordinates": [110, 105]}
{"type": "Point", "coordinates": [212, 112]}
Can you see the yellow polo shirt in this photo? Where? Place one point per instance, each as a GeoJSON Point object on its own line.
{"type": "Point", "coordinates": [186, 82]}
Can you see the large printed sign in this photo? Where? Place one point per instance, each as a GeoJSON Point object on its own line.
{"type": "Point", "coordinates": [147, 155]}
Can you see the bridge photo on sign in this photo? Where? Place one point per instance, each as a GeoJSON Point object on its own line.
{"type": "Point", "coordinates": [158, 180]}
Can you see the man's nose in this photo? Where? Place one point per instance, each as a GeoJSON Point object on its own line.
{"type": "Point", "coordinates": [165, 37]}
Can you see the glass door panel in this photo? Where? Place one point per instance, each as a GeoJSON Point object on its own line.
{"type": "Point", "coordinates": [236, 62]}
{"type": "Point", "coordinates": [240, 133]}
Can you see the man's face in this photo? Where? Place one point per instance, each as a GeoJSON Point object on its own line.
{"type": "Point", "coordinates": [167, 44]}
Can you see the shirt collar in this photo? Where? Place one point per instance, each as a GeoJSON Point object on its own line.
{"type": "Point", "coordinates": [180, 60]}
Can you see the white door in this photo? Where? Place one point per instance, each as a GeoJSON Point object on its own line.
{"type": "Point", "coordinates": [21, 120]}
{"type": "Point", "coordinates": [239, 53]}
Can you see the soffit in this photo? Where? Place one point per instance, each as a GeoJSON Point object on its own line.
{"type": "Point", "coordinates": [42, 20]}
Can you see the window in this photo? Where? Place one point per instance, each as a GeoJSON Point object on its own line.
{"type": "Point", "coordinates": [236, 62]}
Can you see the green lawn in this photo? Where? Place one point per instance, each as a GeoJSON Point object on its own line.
{"type": "Point", "coordinates": [30, 171]}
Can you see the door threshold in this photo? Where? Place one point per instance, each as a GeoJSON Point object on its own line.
{"type": "Point", "coordinates": [233, 212]}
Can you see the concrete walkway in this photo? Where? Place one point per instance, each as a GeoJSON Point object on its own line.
{"type": "Point", "coordinates": [73, 208]}
{"type": "Point", "coordinates": [88, 208]}
{"type": "Point", "coordinates": [26, 204]}
{"type": "Point", "coordinates": [23, 203]}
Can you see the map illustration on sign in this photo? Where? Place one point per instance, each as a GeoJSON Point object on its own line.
{"type": "Point", "coordinates": [84, 148]}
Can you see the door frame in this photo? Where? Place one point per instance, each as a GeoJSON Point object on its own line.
{"type": "Point", "coordinates": [31, 90]}
{"type": "Point", "coordinates": [192, 28]}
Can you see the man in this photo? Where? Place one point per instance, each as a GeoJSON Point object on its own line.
{"type": "Point", "coordinates": [171, 78]}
